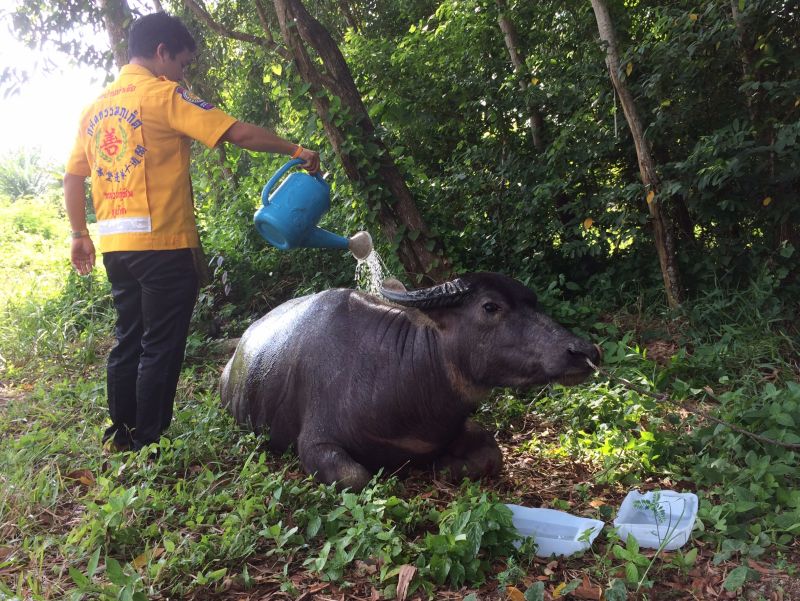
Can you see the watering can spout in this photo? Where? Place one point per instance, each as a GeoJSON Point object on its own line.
{"type": "Point", "coordinates": [360, 243]}
{"type": "Point", "coordinates": [319, 238]}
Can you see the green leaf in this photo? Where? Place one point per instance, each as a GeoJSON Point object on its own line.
{"type": "Point", "coordinates": [736, 578]}
{"type": "Point", "coordinates": [314, 525]}
{"type": "Point", "coordinates": [535, 592]}
{"type": "Point", "coordinates": [632, 545]}
{"type": "Point", "coordinates": [741, 5]}
{"type": "Point", "coordinates": [114, 572]}
{"type": "Point", "coordinates": [690, 557]}
{"type": "Point", "coordinates": [93, 560]}
{"type": "Point", "coordinates": [631, 572]}
{"type": "Point", "coordinates": [79, 578]}
{"type": "Point", "coordinates": [277, 69]}
{"type": "Point", "coordinates": [617, 591]}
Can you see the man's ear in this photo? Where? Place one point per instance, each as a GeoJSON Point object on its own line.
{"type": "Point", "coordinates": [162, 52]}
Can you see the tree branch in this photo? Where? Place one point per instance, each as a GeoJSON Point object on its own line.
{"type": "Point", "coordinates": [262, 16]}
{"type": "Point", "coordinates": [269, 43]}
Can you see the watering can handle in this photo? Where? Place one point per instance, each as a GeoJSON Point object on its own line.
{"type": "Point", "coordinates": [278, 174]}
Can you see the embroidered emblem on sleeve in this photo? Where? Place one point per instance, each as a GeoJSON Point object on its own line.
{"type": "Point", "coordinates": [192, 99]}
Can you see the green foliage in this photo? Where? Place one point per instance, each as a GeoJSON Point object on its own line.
{"type": "Point", "coordinates": [32, 232]}
{"type": "Point", "coordinates": [190, 520]}
{"type": "Point", "coordinates": [742, 345]}
{"type": "Point", "coordinates": [68, 325]}
{"type": "Point", "coordinates": [211, 500]}
{"type": "Point", "coordinates": [47, 312]}
{"type": "Point", "coordinates": [721, 118]}
{"type": "Point", "coordinates": [23, 173]}
{"type": "Point", "coordinates": [472, 531]}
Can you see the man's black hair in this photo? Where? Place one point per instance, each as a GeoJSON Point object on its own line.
{"type": "Point", "coordinates": [147, 32]}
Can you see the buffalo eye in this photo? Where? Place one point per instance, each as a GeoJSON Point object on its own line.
{"type": "Point", "coordinates": [491, 307]}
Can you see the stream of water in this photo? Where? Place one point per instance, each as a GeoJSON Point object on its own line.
{"type": "Point", "coordinates": [370, 273]}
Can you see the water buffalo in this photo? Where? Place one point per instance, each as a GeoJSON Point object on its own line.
{"type": "Point", "coordinates": [357, 383]}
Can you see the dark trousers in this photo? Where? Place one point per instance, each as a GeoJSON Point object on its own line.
{"type": "Point", "coordinates": [154, 294]}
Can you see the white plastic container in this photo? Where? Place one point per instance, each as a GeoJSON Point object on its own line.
{"type": "Point", "coordinates": [555, 532]}
{"type": "Point", "coordinates": [670, 521]}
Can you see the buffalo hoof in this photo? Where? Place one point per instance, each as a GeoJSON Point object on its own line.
{"type": "Point", "coordinates": [331, 464]}
{"type": "Point", "coordinates": [474, 455]}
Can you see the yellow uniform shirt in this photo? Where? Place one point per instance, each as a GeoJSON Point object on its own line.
{"type": "Point", "coordinates": [134, 142]}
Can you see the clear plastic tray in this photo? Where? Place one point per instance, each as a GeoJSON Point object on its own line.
{"type": "Point", "coordinates": [657, 517]}
{"type": "Point", "coordinates": [555, 532]}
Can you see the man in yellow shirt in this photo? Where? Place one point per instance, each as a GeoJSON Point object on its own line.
{"type": "Point", "coordinates": [134, 142]}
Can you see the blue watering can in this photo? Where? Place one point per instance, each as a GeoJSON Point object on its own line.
{"type": "Point", "coordinates": [290, 215]}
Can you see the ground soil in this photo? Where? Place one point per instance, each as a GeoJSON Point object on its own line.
{"type": "Point", "coordinates": [532, 480]}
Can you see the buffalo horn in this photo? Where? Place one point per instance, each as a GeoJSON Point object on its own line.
{"type": "Point", "coordinates": [444, 295]}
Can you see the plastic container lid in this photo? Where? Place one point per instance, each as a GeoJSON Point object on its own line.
{"type": "Point", "coordinates": [657, 517]}
{"type": "Point", "coordinates": [555, 532]}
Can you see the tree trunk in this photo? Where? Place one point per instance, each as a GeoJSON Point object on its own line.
{"type": "Point", "coordinates": [535, 121]}
{"type": "Point", "coordinates": [116, 18]}
{"type": "Point", "coordinates": [662, 226]}
{"type": "Point", "coordinates": [349, 15]}
{"type": "Point", "coordinates": [374, 172]}
{"type": "Point", "coordinates": [757, 105]}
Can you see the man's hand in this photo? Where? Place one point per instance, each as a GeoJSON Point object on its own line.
{"type": "Point", "coordinates": [82, 255]}
{"type": "Point", "coordinates": [311, 160]}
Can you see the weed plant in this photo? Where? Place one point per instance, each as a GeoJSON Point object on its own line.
{"type": "Point", "coordinates": [216, 511]}
{"type": "Point", "coordinates": [212, 501]}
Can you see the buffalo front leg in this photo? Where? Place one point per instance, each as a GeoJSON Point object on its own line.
{"type": "Point", "coordinates": [329, 463]}
{"type": "Point", "coordinates": [473, 454]}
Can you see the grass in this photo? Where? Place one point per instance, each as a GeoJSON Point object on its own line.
{"type": "Point", "coordinates": [212, 501]}
{"type": "Point", "coordinates": [215, 516]}
{"type": "Point", "coordinates": [36, 233]}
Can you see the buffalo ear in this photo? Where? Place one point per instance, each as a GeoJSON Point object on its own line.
{"type": "Point", "coordinates": [444, 295]}
{"type": "Point", "coordinates": [393, 284]}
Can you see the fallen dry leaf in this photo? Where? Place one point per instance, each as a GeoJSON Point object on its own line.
{"type": "Point", "coordinates": [363, 568]}
{"type": "Point", "coordinates": [762, 569]}
{"type": "Point", "coordinates": [85, 477]}
{"type": "Point", "coordinates": [142, 559]}
{"type": "Point", "coordinates": [587, 590]}
{"type": "Point", "coordinates": [514, 594]}
{"type": "Point", "coordinates": [318, 587]}
{"type": "Point", "coordinates": [404, 579]}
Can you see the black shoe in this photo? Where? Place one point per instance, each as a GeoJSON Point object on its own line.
{"type": "Point", "coordinates": [117, 439]}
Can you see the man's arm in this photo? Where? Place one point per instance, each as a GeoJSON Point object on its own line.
{"type": "Point", "coordinates": [258, 139]}
{"type": "Point", "coordinates": [82, 253]}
